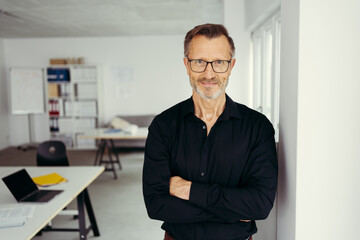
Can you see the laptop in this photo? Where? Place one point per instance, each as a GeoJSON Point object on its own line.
{"type": "Point", "coordinates": [24, 189]}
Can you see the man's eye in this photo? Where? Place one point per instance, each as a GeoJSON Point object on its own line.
{"type": "Point", "coordinates": [199, 61]}
{"type": "Point", "coordinates": [219, 62]}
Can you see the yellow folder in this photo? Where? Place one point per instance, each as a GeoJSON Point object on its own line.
{"type": "Point", "coordinates": [49, 179]}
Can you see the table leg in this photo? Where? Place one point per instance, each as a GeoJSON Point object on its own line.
{"type": "Point", "coordinates": [103, 148]}
{"type": "Point", "coordinates": [110, 146]}
{"type": "Point", "coordinates": [111, 161]}
{"type": "Point", "coordinates": [91, 214]}
{"type": "Point", "coordinates": [84, 199]}
{"type": "Point", "coordinates": [82, 228]}
{"type": "Point", "coordinates": [115, 153]}
{"type": "Point", "coordinates": [99, 153]}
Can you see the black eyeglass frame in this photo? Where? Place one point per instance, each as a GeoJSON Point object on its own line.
{"type": "Point", "coordinates": [211, 63]}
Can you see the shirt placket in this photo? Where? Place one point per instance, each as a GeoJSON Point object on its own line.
{"type": "Point", "coordinates": [204, 156]}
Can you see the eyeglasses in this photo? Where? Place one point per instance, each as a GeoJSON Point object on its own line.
{"type": "Point", "coordinates": [218, 66]}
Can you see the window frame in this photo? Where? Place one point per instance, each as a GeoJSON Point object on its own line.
{"type": "Point", "coordinates": [266, 68]}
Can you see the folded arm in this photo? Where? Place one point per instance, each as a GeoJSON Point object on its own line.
{"type": "Point", "coordinates": [174, 199]}
{"type": "Point", "coordinates": [252, 201]}
{"type": "Point", "coordinates": [181, 188]}
{"type": "Point", "coordinates": [160, 204]}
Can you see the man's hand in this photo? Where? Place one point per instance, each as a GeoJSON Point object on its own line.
{"type": "Point", "coordinates": [180, 187]}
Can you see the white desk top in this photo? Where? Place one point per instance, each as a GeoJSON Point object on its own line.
{"type": "Point", "coordinates": [105, 133]}
{"type": "Point", "coordinates": [78, 179]}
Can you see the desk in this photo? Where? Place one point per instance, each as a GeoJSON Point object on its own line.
{"type": "Point", "coordinates": [79, 178]}
{"type": "Point", "coordinates": [107, 137]}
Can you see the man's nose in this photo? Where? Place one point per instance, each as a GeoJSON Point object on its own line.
{"type": "Point", "coordinates": [209, 72]}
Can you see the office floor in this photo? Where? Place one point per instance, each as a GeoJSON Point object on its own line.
{"type": "Point", "coordinates": [118, 204]}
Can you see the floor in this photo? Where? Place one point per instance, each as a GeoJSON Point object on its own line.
{"type": "Point", "coordinates": [118, 204]}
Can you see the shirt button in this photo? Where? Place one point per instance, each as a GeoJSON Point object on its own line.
{"type": "Point", "coordinates": [204, 127]}
{"type": "Point", "coordinates": [202, 174]}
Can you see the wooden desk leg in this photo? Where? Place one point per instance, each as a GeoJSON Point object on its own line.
{"type": "Point", "coordinates": [84, 198]}
{"type": "Point", "coordinates": [111, 160]}
{"type": "Point", "coordinates": [115, 153]}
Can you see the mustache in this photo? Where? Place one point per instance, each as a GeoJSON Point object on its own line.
{"type": "Point", "coordinates": [209, 80]}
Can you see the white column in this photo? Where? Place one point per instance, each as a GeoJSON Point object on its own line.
{"type": "Point", "coordinates": [287, 150]}
{"type": "Point", "coordinates": [319, 180]}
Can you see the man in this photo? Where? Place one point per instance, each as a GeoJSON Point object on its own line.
{"type": "Point", "coordinates": [210, 164]}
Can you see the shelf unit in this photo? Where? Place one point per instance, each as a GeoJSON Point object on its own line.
{"type": "Point", "coordinates": [73, 103]}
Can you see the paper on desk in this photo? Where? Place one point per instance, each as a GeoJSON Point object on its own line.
{"type": "Point", "coordinates": [15, 216]}
{"type": "Point", "coordinates": [131, 129]}
{"type": "Point", "coordinates": [112, 130]}
{"type": "Point", "coordinates": [49, 179]}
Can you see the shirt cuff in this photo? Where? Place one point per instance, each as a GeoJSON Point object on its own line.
{"type": "Point", "coordinates": [198, 194]}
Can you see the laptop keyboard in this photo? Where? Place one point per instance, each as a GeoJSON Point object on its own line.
{"type": "Point", "coordinates": [41, 196]}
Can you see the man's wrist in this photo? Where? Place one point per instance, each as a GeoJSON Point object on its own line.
{"type": "Point", "coordinates": [180, 187]}
{"type": "Point", "coordinates": [184, 191]}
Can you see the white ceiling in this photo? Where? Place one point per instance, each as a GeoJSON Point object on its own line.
{"type": "Point", "coordinates": [86, 18]}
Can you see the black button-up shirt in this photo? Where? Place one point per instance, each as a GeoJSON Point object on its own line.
{"type": "Point", "coordinates": [233, 171]}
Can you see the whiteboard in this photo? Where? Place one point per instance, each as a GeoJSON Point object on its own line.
{"type": "Point", "coordinates": [27, 90]}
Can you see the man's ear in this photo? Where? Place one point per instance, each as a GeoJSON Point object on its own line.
{"type": "Point", "coordinates": [186, 65]}
{"type": "Point", "coordinates": [232, 63]}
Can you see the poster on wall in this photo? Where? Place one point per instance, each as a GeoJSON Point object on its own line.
{"type": "Point", "coordinates": [123, 79]}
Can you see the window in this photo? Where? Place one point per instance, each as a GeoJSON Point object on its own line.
{"type": "Point", "coordinates": [266, 69]}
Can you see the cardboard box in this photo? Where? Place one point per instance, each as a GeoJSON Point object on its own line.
{"type": "Point", "coordinates": [53, 90]}
{"type": "Point", "coordinates": [57, 61]}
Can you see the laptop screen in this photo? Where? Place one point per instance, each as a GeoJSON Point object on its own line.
{"type": "Point", "coordinates": [20, 184]}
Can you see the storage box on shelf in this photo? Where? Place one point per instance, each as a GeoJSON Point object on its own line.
{"type": "Point", "coordinates": [73, 103]}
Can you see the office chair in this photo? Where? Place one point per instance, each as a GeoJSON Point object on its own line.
{"type": "Point", "coordinates": [53, 153]}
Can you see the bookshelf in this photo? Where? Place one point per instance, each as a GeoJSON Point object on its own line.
{"type": "Point", "coordinates": [73, 103]}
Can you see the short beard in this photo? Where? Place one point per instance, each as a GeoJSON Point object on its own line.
{"type": "Point", "coordinates": [213, 96]}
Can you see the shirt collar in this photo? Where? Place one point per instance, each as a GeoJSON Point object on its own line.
{"type": "Point", "coordinates": [231, 109]}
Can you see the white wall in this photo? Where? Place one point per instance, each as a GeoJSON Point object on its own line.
{"type": "Point", "coordinates": [257, 11]}
{"type": "Point", "coordinates": [4, 113]}
{"type": "Point", "coordinates": [159, 77]}
{"type": "Point", "coordinates": [328, 120]}
{"type": "Point", "coordinates": [320, 85]}
{"type": "Point", "coordinates": [239, 84]}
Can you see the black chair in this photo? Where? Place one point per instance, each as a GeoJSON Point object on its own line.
{"type": "Point", "coordinates": [52, 153]}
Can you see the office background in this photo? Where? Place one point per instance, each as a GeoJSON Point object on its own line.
{"type": "Point", "coordinates": [319, 116]}
{"type": "Point", "coordinates": [158, 74]}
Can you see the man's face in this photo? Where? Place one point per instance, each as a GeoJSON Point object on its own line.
{"type": "Point", "coordinates": [209, 84]}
